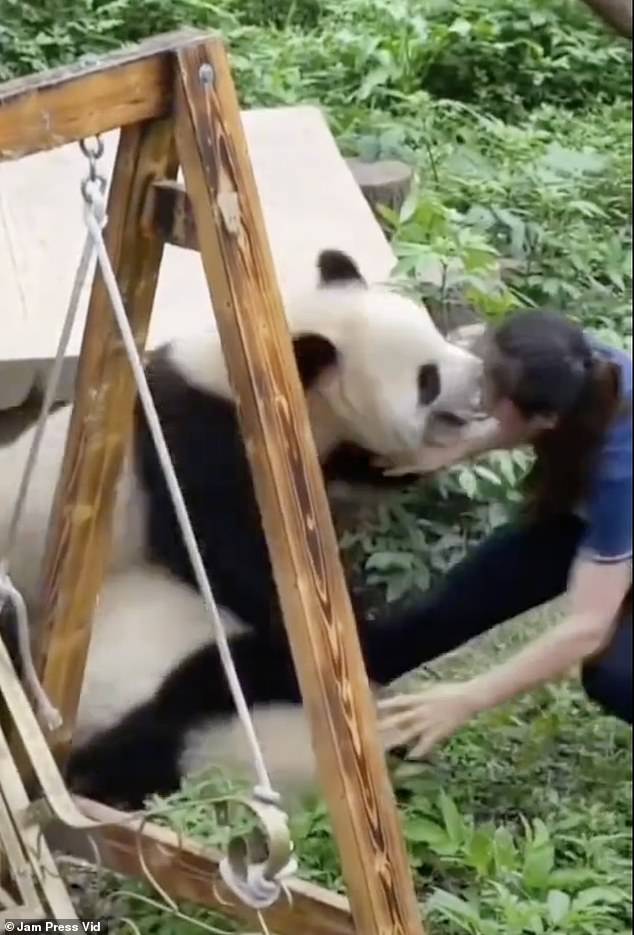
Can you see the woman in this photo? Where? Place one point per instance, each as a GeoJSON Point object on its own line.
{"type": "Point", "coordinates": [549, 386]}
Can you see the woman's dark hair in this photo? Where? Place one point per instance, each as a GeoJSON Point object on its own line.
{"type": "Point", "coordinates": [546, 366]}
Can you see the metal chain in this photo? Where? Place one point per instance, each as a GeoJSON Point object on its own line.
{"type": "Point", "coordinates": [94, 181]}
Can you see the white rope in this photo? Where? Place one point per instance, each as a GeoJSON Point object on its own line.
{"type": "Point", "coordinates": [264, 789]}
{"type": "Point", "coordinates": [8, 592]}
{"type": "Point", "coordinates": [45, 708]}
{"type": "Point", "coordinates": [48, 401]}
{"type": "Point", "coordinates": [255, 889]}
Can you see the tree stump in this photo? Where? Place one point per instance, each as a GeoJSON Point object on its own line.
{"type": "Point", "coordinates": [387, 182]}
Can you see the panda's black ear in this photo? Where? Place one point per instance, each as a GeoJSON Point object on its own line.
{"type": "Point", "coordinates": [313, 354]}
{"type": "Point", "coordinates": [336, 267]}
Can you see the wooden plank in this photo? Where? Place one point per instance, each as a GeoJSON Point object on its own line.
{"type": "Point", "coordinates": [42, 231]}
{"type": "Point", "coordinates": [382, 183]}
{"type": "Point", "coordinates": [290, 489]}
{"type": "Point", "coordinates": [67, 104]}
{"type": "Point", "coordinates": [102, 420]}
{"type": "Point", "coordinates": [189, 873]}
{"type": "Point", "coordinates": [172, 213]}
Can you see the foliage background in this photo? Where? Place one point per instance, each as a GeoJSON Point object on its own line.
{"type": "Point", "coordinates": [516, 115]}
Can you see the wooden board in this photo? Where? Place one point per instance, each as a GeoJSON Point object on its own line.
{"type": "Point", "coordinates": [291, 495]}
{"type": "Point", "coordinates": [310, 201]}
{"type": "Point", "coordinates": [44, 111]}
{"type": "Point", "coordinates": [189, 873]}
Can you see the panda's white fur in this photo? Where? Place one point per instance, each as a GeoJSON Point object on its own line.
{"type": "Point", "coordinates": [147, 623]}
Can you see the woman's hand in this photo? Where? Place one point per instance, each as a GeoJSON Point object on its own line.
{"type": "Point", "coordinates": [475, 439]}
{"type": "Point", "coordinates": [427, 461]}
{"type": "Point", "coordinates": [426, 718]}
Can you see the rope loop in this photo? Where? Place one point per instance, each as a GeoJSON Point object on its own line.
{"type": "Point", "coordinates": [259, 863]}
{"type": "Point", "coordinates": [9, 593]}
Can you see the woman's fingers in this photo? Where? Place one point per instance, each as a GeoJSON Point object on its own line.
{"type": "Point", "coordinates": [403, 738]}
{"type": "Point", "coordinates": [426, 743]}
{"type": "Point", "coordinates": [406, 727]}
{"type": "Point", "coordinates": [401, 721]}
{"type": "Point", "coordinates": [399, 702]}
{"type": "Point", "coordinates": [403, 469]}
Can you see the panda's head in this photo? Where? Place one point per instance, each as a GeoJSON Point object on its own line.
{"type": "Point", "coordinates": [374, 366]}
{"type": "Point", "coordinates": [373, 363]}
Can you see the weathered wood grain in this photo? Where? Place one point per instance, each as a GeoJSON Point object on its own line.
{"type": "Point", "coordinates": [290, 489]}
{"type": "Point", "coordinates": [67, 104]}
{"type": "Point", "coordinates": [79, 537]}
{"type": "Point", "coordinates": [189, 873]}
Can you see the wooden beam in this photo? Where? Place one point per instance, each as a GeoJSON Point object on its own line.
{"type": "Point", "coordinates": [290, 489]}
{"type": "Point", "coordinates": [171, 212]}
{"type": "Point", "coordinates": [105, 393]}
{"type": "Point", "coordinates": [67, 104]}
{"type": "Point", "coordinates": [189, 873]}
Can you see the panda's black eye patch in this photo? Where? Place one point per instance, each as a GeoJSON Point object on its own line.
{"type": "Point", "coordinates": [313, 355]}
{"type": "Point", "coordinates": [428, 384]}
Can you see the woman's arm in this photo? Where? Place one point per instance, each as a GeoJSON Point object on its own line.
{"type": "Point", "coordinates": [477, 439]}
{"type": "Point", "coordinates": [596, 594]}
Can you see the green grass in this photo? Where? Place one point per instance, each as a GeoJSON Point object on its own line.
{"type": "Point", "coordinates": [516, 115]}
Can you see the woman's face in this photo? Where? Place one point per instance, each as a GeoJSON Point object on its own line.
{"type": "Point", "coordinates": [513, 422]}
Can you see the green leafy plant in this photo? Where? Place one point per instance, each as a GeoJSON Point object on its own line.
{"type": "Point", "coordinates": [415, 536]}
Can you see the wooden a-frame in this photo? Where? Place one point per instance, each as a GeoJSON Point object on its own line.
{"type": "Point", "coordinates": [176, 104]}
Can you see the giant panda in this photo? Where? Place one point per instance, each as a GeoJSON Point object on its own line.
{"type": "Point", "coordinates": [375, 370]}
